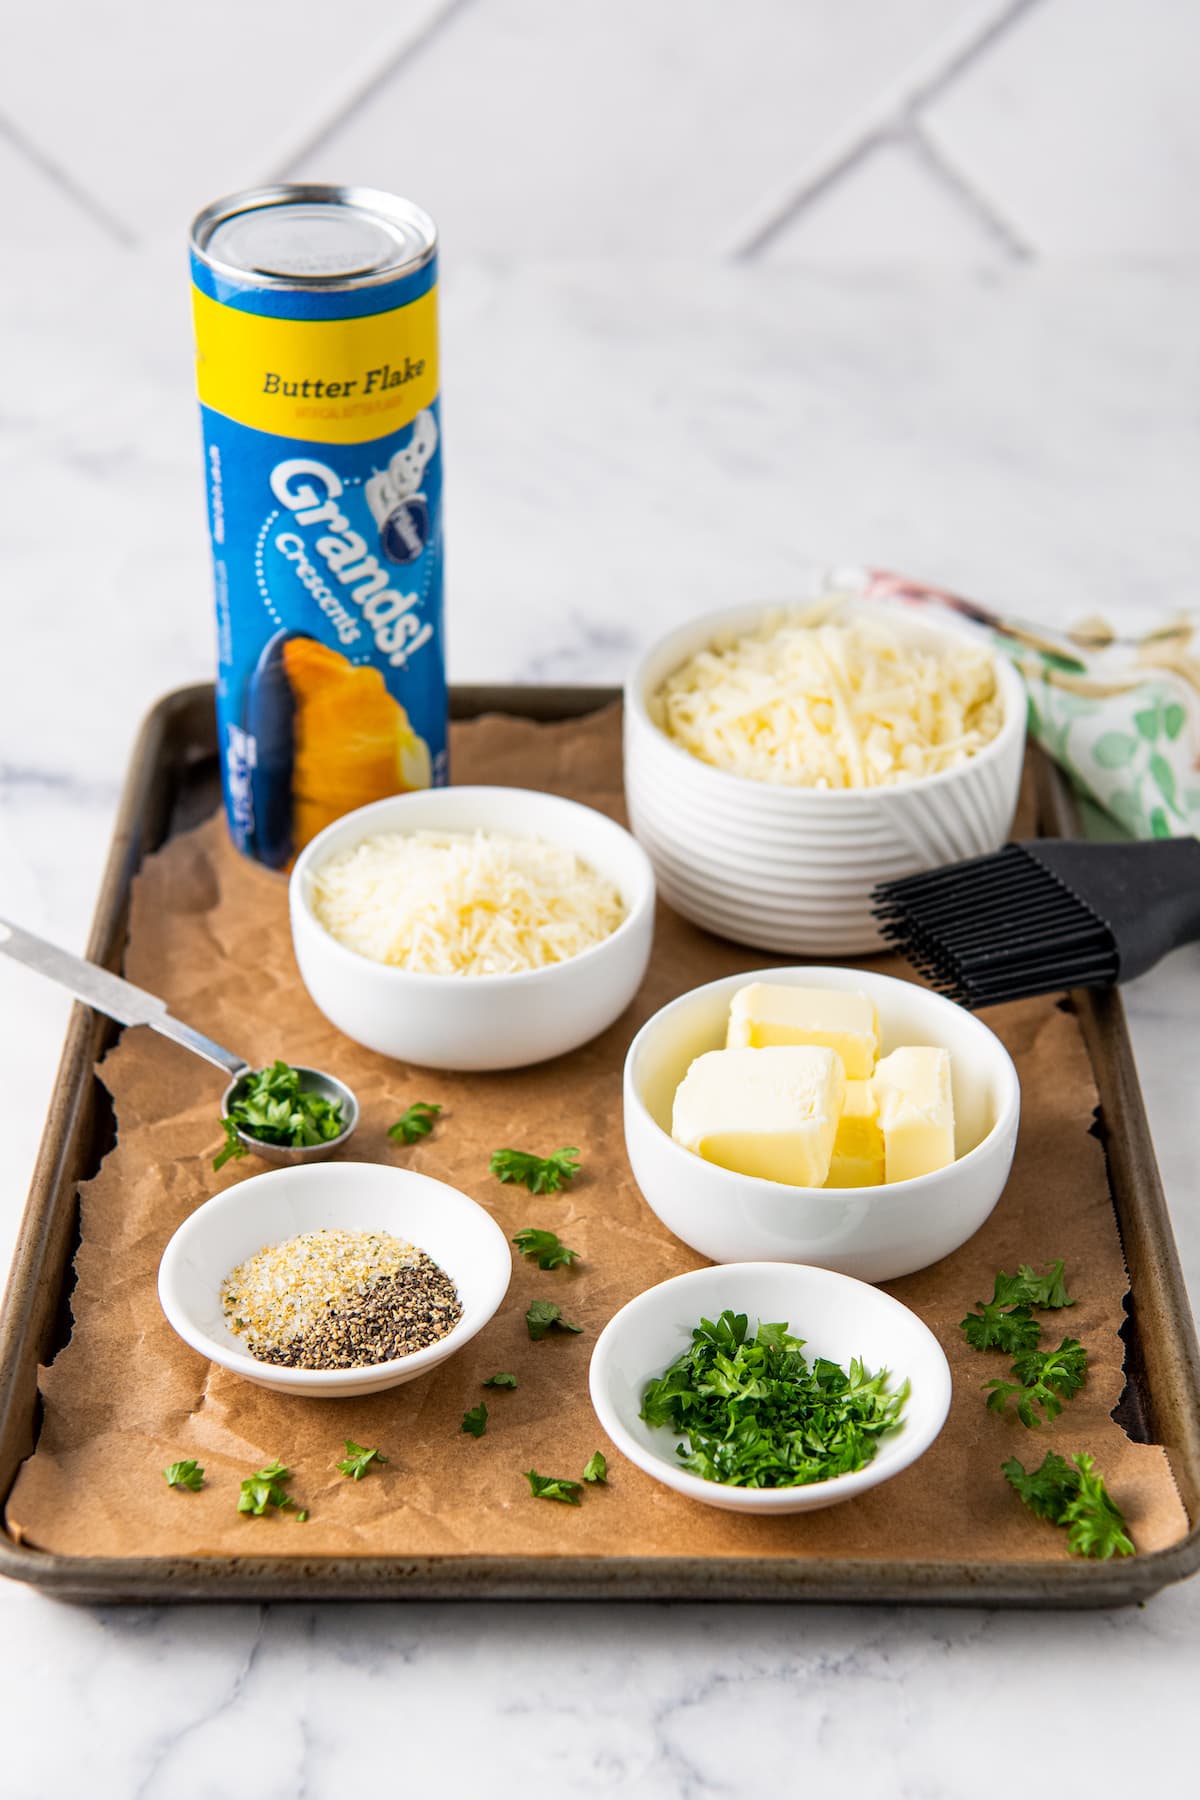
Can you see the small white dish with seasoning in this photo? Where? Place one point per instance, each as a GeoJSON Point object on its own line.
{"type": "Point", "coordinates": [858, 1399]}
{"type": "Point", "coordinates": [473, 928]}
{"type": "Point", "coordinates": [334, 1280]}
{"type": "Point", "coordinates": [820, 1115]}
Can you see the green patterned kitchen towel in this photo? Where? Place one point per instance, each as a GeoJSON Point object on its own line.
{"type": "Point", "coordinates": [1118, 711]}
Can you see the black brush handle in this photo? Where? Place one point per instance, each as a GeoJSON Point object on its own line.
{"type": "Point", "coordinates": [1148, 893]}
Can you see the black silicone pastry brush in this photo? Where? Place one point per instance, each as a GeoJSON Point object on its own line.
{"type": "Point", "coordinates": [1039, 916]}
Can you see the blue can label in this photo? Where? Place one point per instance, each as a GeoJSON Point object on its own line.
{"type": "Point", "coordinates": [323, 457]}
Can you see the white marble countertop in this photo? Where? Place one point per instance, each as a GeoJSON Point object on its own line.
{"type": "Point", "coordinates": [1024, 437]}
{"type": "Point", "coordinates": [640, 424]}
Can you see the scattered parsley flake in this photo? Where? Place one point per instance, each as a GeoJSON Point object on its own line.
{"type": "Point", "coordinates": [989, 1327]}
{"type": "Point", "coordinates": [1045, 1490]}
{"type": "Point", "coordinates": [185, 1475]}
{"type": "Point", "coordinates": [1045, 1378]}
{"type": "Point", "coordinates": [541, 1174]}
{"type": "Point", "coordinates": [501, 1379]}
{"type": "Point", "coordinates": [264, 1489]}
{"type": "Point", "coordinates": [543, 1316]}
{"type": "Point", "coordinates": [1006, 1322]}
{"type": "Point", "coordinates": [1047, 1292]}
{"type": "Point", "coordinates": [415, 1122]}
{"type": "Point", "coordinates": [357, 1460]}
{"type": "Point", "coordinates": [1073, 1495]}
{"type": "Point", "coordinates": [475, 1420]}
{"type": "Point", "coordinates": [545, 1248]}
{"type": "Point", "coordinates": [596, 1467]}
{"type": "Point", "coordinates": [553, 1487]}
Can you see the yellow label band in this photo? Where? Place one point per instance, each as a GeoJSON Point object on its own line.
{"type": "Point", "coordinates": [331, 381]}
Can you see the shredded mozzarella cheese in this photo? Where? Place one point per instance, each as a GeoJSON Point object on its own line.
{"type": "Point", "coordinates": [830, 706]}
{"type": "Point", "coordinates": [461, 903]}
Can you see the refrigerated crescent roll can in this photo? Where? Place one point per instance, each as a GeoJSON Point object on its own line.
{"type": "Point", "coordinates": [317, 372]}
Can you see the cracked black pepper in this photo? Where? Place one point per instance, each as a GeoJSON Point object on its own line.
{"type": "Point", "coordinates": [339, 1300]}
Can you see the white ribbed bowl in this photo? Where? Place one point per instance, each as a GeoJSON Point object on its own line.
{"type": "Point", "coordinates": [792, 869]}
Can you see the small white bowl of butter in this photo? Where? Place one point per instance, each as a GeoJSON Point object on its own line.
{"type": "Point", "coordinates": [899, 1220]}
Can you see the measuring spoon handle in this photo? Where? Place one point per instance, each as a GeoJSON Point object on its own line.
{"type": "Point", "coordinates": [112, 995]}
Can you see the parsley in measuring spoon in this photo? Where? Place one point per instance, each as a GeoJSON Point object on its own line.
{"type": "Point", "coordinates": [275, 1108]}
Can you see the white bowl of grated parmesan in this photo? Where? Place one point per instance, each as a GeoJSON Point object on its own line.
{"type": "Point", "coordinates": [273, 1261]}
{"type": "Point", "coordinates": [473, 928]}
{"type": "Point", "coordinates": [777, 768]}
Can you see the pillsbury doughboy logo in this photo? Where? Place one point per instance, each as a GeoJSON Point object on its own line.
{"type": "Point", "coordinates": [399, 507]}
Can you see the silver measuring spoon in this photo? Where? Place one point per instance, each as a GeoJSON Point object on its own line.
{"type": "Point", "coordinates": [130, 1005]}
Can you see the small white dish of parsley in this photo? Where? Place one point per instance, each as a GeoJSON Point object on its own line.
{"type": "Point", "coordinates": [769, 1387]}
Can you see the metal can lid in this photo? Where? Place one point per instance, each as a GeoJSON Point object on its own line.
{"type": "Point", "coordinates": [306, 235]}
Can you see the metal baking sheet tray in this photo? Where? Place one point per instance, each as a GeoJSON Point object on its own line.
{"type": "Point", "coordinates": [173, 784]}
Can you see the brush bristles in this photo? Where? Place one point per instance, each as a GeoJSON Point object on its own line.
{"type": "Point", "coordinates": [996, 928]}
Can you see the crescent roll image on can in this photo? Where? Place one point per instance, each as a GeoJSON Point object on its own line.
{"type": "Point", "coordinates": [317, 373]}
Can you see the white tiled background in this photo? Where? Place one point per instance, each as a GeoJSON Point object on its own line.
{"type": "Point", "coordinates": [727, 291]}
{"type": "Point", "coordinates": [783, 130]}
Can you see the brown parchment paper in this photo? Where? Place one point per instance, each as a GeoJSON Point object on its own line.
{"type": "Point", "coordinates": [125, 1396]}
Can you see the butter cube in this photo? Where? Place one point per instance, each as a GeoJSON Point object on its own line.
{"type": "Point", "coordinates": [767, 1013]}
{"type": "Point", "coordinates": [916, 1111]}
{"type": "Point", "coordinates": [857, 1159]}
{"type": "Point", "coordinates": [771, 1113]}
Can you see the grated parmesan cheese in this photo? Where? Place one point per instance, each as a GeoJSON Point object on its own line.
{"type": "Point", "coordinates": [462, 903]}
{"type": "Point", "coordinates": [830, 706]}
